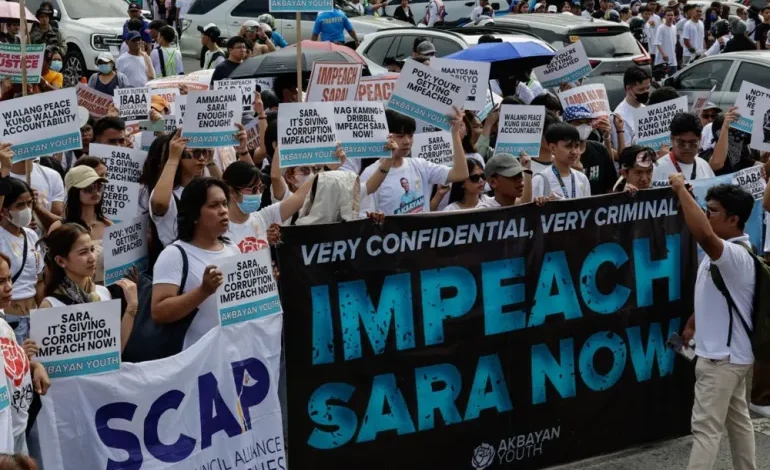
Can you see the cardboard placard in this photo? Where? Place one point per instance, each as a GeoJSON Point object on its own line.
{"type": "Point", "coordinates": [760, 132]}
{"type": "Point", "coordinates": [180, 107]}
{"type": "Point", "coordinates": [248, 87]}
{"type": "Point", "coordinates": [125, 247]}
{"type": "Point", "coordinates": [52, 116]}
{"type": "Point", "coordinates": [567, 66]}
{"type": "Point", "coordinates": [653, 123]}
{"type": "Point", "coordinates": [474, 74]}
{"type": "Point", "coordinates": [377, 88]}
{"type": "Point", "coordinates": [520, 129]}
{"type": "Point", "coordinates": [249, 290]}
{"type": "Point", "coordinates": [133, 103]}
{"type": "Point", "coordinates": [362, 129]}
{"type": "Point", "coordinates": [746, 102]}
{"type": "Point", "coordinates": [306, 134]}
{"type": "Point", "coordinates": [96, 102]}
{"type": "Point", "coordinates": [593, 96]}
{"type": "Point", "coordinates": [11, 66]}
{"type": "Point", "coordinates": [252, 133]}
{"type": "Point", "coordinates": [436, 147]}
{"type": "Point", "coordinates": [293, 6]}
{"type": "Point", "coordinates": [120, 198]}
{"type": "Point", "coordinates": [332, 81]}
{"type": "Point", "coordinates": [195, 81]}
{"type": "Point", "coordinates": [212, 118]}
{"type": "Point", "coordinates": [751, 180]}
{"type": "Point", "coordinates": [428, 95]}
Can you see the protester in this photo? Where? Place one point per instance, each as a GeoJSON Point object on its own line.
{"type": "Point", "coordinates": [665, 41]}
{"type": "Point", "coordinates": [740, 39]}
{"type": "Point", "coordinates": [404, 13]}
{"type": "Point", "coordinates": [595, 148]}
{"type": "Point", "coordinates": [12, 34]}
{"type": "Point", "coordinates": [721, 158]}
{"type": "Point", "coordinates": [467, 194]}
{"type": "Point", "coordinates": [275, 36]}
{"type": "Point", "coordinates": [213, 56]}
{"type": "Point", "coordinates": [135, 12]}
{"type": "Point", "coordinates": [636, 82]}
{"type": "Point", "coordinates": [48, 193]}
{"type": "Point", "coordinates": [544, 159]}
{"type": "Point", "coordinates": [725, 359]}
{"type": "Point", "coordinates": [155, 27]}
{"type": "Point", "coordinates": [17, 462]}
{"type": "Point", "coordinates": [50, 76]}
{"type": "Point", "coordinates": [510, 179]}
{"type": "Point", "coordinates": [108, 78]}
{"type": "Point", "coordinates": [720, 30]}
{"type": "Point", "coordinates": [435, 13]}
{"type": "Point", "coordinates": [423, 50]}
{"type": "Point", "coordinates": [167, 60]}
{"type": "Point", "coordinates": [136, 64]}
{"type": "Point", "coordinates": [685, 138]}
{"type": "Point", "coordinates": [762, 29]}
{"type": "Point", "coordinates": [560, 180]}
{"type": "Point", "coordinates": [693, 36]}
{"type": "Point", "coordinates": [479, 10]}
{"type": "Point", "coordinates": [708, 114]}
{"type": "Point", "coordinates": [44, 32]}
{"type": "Point", "coordinates": [253, 32]}
{"type": "Point", "coordinates": [111, 130]}
{"type": "Point", "coordinates": [636, 167]}
{"type": "Point", "coordinates": [203, 222]}
{"type": "Point", "coordinates": [236, 53]}
{"type": "Point", "coordinates": [331, 26]}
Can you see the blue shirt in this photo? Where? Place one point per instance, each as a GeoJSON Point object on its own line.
{"type": "Point", "coordinates": [278, 40]}
{"type": "Point", "coordinates": [145, 31]}
{"type": "Point", "coordinates": [331, 26]}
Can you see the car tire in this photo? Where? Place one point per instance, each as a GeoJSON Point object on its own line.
{"type": "Point", "coordinates": [74, 66]}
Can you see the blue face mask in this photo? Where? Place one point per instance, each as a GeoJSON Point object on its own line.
{"type": "Point", "coordinates": [56, 66]}
{"type": "Point", "coordinates": [105, 68]}
{"type": "Point", "coordinates": [251, 203]}
{"type": "Point", "coordinates": [713, 16]}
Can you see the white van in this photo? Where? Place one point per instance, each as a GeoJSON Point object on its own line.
{"type": "Point", "coordinates": [229, 15]}
{"type": "Point", "coordinates": [88, 27]}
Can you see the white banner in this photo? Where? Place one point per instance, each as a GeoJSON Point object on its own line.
{"type": "Point", "coordinates": [567, 66]}
{"type": "Point", "coordinates": [427, 94]}
{"type": "Point", "coordinates": [377, 88]}
{"type": "Point", "coordinates": [212, 118]}
{"type": "Point", "coordinates": [362, 129]}
{"type": "Point", "coordinates": [333, 81]}
{"type": "Point", "coordinates": [42, 124]}
{"type": "Point", "coordinates": [474, 74]}
{"type": "Point", "coordinates": [249, 291]}
{"type": "Point", "coordinates": [125, 247]}
{"type": "Point", "coordinates": [133, 103]}
{"type": "Point", "coordinates": [248, 87]}
{"type": "Point", "coordinates": [306, 134]}
{"type": "Point", "coordinates": [653, 123]}
{"type": "Point", "coordinates": [593, 96]}
{"type": "Point", "coordinates": [77, 340]}
{"type": "Point", "coordinates": [198, 80]}
{"type": "Point", "coordinates": [520, 129]}
{"type": "Point", "coordinates": [213, 406]}
{"type": "Point", "coordinates": [435, 147]}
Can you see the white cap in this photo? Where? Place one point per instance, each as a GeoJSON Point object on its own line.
{"type": "Point", "coordinates": [266, 27]}
{"type": "Point", "coordinates": [537, 5]}
{"type": "Point", "coordinates": [552, 9]}
{"type": "Point", "coordinates": [250, 24]}
{"type": "Point", "coordinates": [105, 57]}
{"type": "Point", "coordinates": [83, 116]}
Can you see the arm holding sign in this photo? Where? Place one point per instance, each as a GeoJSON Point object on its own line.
{"type": "Point", "coordinates": [242, 150]}
{"type": "Point", "coordinates": [718, 158]}
{"type": "Point", "coordinates": [161, 197]}
{"type": "Point", "coordinates": [260, 153]}
{"type": "Point", "coordinates": [375, 181]}
{"type": "Point", "coordinates": [168, 306]}
{"type": "Point", "coordinates": [132, 304]}
{"type": "Point", "coordinates": [459, 171]}
{"type": "Point", "coordinates": [278, 184]}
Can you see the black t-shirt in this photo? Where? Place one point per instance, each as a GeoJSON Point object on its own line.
{"type": "Point", "coordinates": [599, 168]}
{"type": "Point", "coordinates": [224, 70]}
{"type": "Point", "coordinates": [760, 34]}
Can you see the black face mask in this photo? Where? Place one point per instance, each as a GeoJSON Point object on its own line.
{"type": "Point", "coordinates": [643, 98]}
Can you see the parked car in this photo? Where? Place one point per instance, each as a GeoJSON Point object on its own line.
{"type": "Point", "coordinates": [455, 9]}
{"type": "Point", "coordinates": [726, 72]}
{"type": "Point", "coordinates": [89, 27]}
{"type": "Point", "coordinates": [229, 15]}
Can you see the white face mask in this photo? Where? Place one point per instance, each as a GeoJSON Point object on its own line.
{"type": "Point", "coordinates": [301, 178]}
{"type": "Point", "coordinates": [21, 218]}
{"type": "Point", "coordinates": [584, 130]}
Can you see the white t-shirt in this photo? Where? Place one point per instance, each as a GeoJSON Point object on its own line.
{"type": "Point", "coordinates": [626, 111]}
{"type": "Point", "coordinates": [718, 45]}
{"type": "Point", "coordinates": [665, 167]}
{"type": "Point", "coordinates": [537, 167]}
{"type": "Point", "coordinates": [666, 39]}
{"type": "Point", "coordinates": [166, 223]}
{"type": "Point", "coordinates": [252, 235]}
{"type": "Point", "coordinates": [47, 182]}
{"type": "Point", "coordinates": [13, 246]}
{"type": "Point", "coordinates": [706, 137]}
{"type": "Point", "coordinates": [406, 189]}
{"type": "Point", "coordinates": [174, 65]}
{"type": "Point", "coordinates": [18, 377]}
{"type": "Point", "coordinates": [168, 270]}
{"type": "Point", "coordinates": [476, 13]}
{"type": "Point", "coordinates": [134, 68]}
{"type": "Point", "coordinates": [694, 33]}
{"type": "Point", "coordinates": [487, 202]}
{"type": "Point", "coordinates": [712, 316]}
{"type": "Point", "coordinates": [207, 64]}
{"type": "Point", "coordinates": [101, 291]}
{"type": "Point", "coordinates": [455, 207]}
{"type": "Point", "coordinates": [580, 181]}
{"type": "Point", "coordinates": [650, 31]}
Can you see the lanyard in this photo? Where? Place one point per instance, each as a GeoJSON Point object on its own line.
{"type": "Point", "coordinates": [679, 169]}
{"type": "Point", "coordinates": [561, 182]}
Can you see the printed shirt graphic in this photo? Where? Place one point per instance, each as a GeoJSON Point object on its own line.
{"type": "Point", "coordinates": [406, 189]}
{"type": "Point", "coordinates": [17, 375]}
{"type": "Point", "coordinates": [251, 235]}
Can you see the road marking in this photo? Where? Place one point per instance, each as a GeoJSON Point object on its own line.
{"type": "Point", "coordinates": [762, 425]}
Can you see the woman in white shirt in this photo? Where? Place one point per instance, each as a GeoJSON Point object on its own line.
{"type": "Point", "coordinates": [19, 243]}
{"type": "Point", "coordinates": [203, 223]}
{"type": "Point", "coordinates": [467, 194]}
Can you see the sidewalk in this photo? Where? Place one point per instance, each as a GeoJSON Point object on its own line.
{"type": "Point", "coordinates": [673, 455]}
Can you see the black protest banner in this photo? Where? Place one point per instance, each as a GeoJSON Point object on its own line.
{"type": "Point", "coordinates": [512, 338]}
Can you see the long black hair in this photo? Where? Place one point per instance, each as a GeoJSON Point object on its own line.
{"type": "Point", "coordinates": [457, 192]}
{"type": "Point", "coordinates": [18, 187]}
{"type": "Point", "coordinates": [59, 243]}
{"type": "Point", "coordinates": [157, 156]}
{"type": "Point", "coordinates": [73, 211]}
{"type": "Point", "coordinates": [192, 201]}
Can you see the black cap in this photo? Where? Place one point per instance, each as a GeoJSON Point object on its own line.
{"type": "Point", "coordinates": [134, 6]}
{"type": "Point", "coordinates": [210, 30]}
{"type": "Point", "coordinates": [44, 10]}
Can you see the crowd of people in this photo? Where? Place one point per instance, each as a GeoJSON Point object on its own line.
{"type": "Point", "coordinates": [208, 204]}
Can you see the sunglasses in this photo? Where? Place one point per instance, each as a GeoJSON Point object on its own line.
{"type": "Point", "coordinates": [94, 188]}
{"type": "Point", "coordinates": [198, 154]}
{"type": "Point", "coordinates": [476, 178]}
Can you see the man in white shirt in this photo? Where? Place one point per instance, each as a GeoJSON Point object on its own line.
{"type": "Point", "coordinates": [589, 9]}
{"type": "Point", "coordinates": [693, 36]}
{"type": "Point", "coordinates": [510, 178]}
{"type": "Point", "coordinates": [653, 22]}
{"type": "Point", "coordinates": [685, 140]}
{"type": "Point", "coordinates": [214, 56]}
{"type": "Point", "coordinates": [479, 10]}
{"type": "Point", "coordinates": [636, 81]}
{"type": "Point", "coordinates": [722, 341]}
{"type": "Point", "coordinates": [135, 64]}
{"type": "Point", "coordinates": [665, 41]}
{"type": "Point", "coordinates": [560, 180]}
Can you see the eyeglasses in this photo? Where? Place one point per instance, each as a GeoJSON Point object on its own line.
{"type": "Point", "coordinates": [693, 144]}
{"type": "Point", "coordinates": [198, 154]}
{"type": "Point", "coordinates": [476, 178]}
{"type": "Point", "coordinates": [711, 116]}
{"type": "Point", "coordinates": [258, 188]}
{"type": "Point", "coordinates": [94, 188]}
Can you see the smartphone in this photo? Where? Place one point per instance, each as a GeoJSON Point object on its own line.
{"type": "Point", "coordinates": [676, 343]}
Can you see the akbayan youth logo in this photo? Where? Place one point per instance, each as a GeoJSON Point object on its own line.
{"type": "Point", "coordinates": [483, 456]}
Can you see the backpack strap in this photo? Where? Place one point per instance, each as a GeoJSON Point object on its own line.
{"type": "Point", "coordinates": [63, 299]}
{"type": "Point", "coordinates": [162, 62]}
{"type": "Point", "coordinates": [23, 258]}
{"type": "Point", "coordinates": [185, 267]}
{"type": "Point", "coordinates": [719, 283]}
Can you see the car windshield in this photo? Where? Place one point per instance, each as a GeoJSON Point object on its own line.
{"type": "Point", "coordinates": [77, 9]}
{"type": "Point", "coordinates": [604, 46]}
{"type": "Point", "coordinates": [347, 8]}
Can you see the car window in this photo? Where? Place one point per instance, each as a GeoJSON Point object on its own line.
{"type": "Point", "coordinates": [444, 47]}
{"type": "Point", "coordinates": [380, 48]}
{"type": "Point", "coordinates": [251, 8]}
{"type": "Point", "coordinates": [610, 46]}
{"type": "Point", "coordinates": [705, 75]}
{"type": "Point", "coordinates": [753, 73]}
{"type": "Point", "coordinates": [201, 7]}
{"type": "Point", "coordinates": [406, 46]}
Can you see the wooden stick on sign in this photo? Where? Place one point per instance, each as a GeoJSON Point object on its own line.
{"type": "Point", "coordinates": [299, 57]}
{"type": "Point", "coordinates": [24, 36]}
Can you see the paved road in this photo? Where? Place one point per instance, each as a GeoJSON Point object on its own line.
{"type": "Point", "coordinates": [190, 64]}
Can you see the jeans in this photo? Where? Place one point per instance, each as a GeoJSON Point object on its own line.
{"type": "Point", "coordinates": [672, 69]}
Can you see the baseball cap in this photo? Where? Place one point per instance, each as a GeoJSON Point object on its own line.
{"type": "Point", "coordinates": [44, 10]}
{"type": "Point", "coordinates": [132, 35]}
{"type": "Point", "coordinates": [503, 164]}
{"type": "Point", "coordinates": [552, 9]}
{"type": "Point", "coordinates": [251, 25]}
{"type": "Point", "coordinates": [210, 30]}
{"type": "Point", "coordinates": [105, 57]}
{"type": "Point", "coordinates": [82, 177]}
{"type": "Point", "coordinates": [134, 6]}
{"type": "Point", "coordinates": [266, 27]}
{"type": "Point", "coordinates": [710, 105]}
{"type": "Point", "coordinates": [426, 48]}
{"type": "Point", "coordinates": [538, 5]}
{"type": "Point", "coordinates": [576, 112]}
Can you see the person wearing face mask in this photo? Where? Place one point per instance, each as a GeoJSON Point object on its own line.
{"type": "Point", "coordinates": [51, 77]}
{"type": "Point", "coordinates": [248, 220]}
{"type": "Point", "coordinates": [731, 152]}
{"type": "Point", "coordinates": [636, 167]}
{"type": "Point", "coordinates": [685, 139]}
{"type": "Point", "coordinates": [594, 156]}
{"type": "Point", "coordinates": [108, 77]}
{"type": "Point", "coordinates": [636, 81]}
